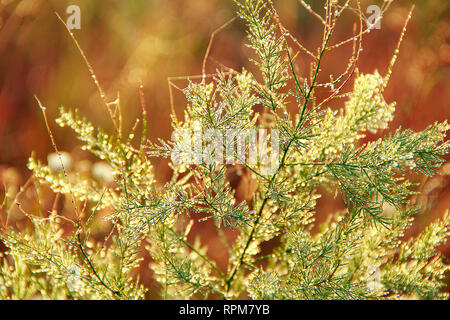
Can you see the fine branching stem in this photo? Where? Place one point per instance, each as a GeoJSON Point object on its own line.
{"type": "Point", "coordinates": [119, 223]}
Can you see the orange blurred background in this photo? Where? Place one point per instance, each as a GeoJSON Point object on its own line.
{"type": "Point", "coordinates": [150, 40]}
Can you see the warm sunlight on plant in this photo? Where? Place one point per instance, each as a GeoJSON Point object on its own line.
{"type": "Point", "coordinates": [288, 130]}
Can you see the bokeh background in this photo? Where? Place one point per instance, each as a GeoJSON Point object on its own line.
{"type": "Point", "coordinates": [134, 41]}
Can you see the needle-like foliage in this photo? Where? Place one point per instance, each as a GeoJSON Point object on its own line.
{"type": "Point", "coordinates": [359, 253]}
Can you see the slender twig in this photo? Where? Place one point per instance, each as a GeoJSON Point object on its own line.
{"type": "Point", "coordinates": [91, 266]}
{"type": "Point", "coordinates": [206, 259]}
{"type": "Point", "coordinates": [92, 73]}
{"type": "Point", "coordinates": [50, 133]}
{"type": "Point", "coordinates": [211, 39]}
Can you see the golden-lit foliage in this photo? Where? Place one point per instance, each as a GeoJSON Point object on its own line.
{"type": "Point", "coordinates": [115, 216]}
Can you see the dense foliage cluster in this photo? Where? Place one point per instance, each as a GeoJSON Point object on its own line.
{"type": "Point", "coordinates": [358, 253]}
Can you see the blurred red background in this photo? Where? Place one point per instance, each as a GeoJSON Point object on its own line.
{"type": "Point", "coordinates": [150, 40]}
